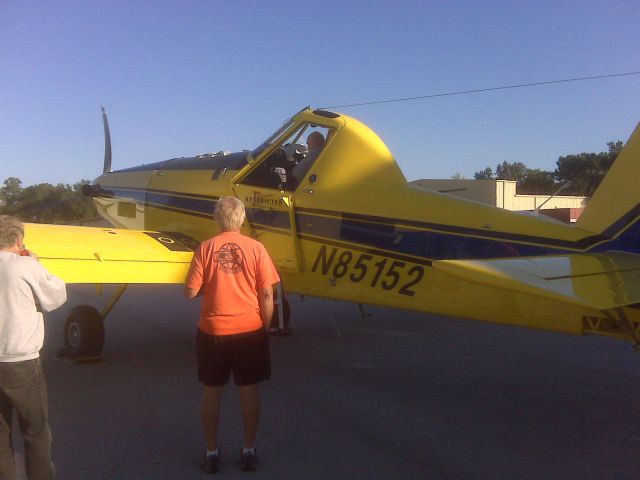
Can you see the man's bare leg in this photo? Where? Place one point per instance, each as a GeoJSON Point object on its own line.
{"type": "Point", "coordinates": [250, 413]}
{"type": "Point", "coordinates": [210, 414]}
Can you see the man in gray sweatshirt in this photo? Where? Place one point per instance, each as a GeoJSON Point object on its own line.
{"type": "Point", "coordinates": [25, 288]}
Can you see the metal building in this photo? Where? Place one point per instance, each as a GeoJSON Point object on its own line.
{"type": "Point", "coordinates": [502, 194]}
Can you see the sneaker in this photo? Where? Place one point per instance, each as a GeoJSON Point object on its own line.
{"type": "Point", "coordinates": [286, 331]}
{"type": "Point", "coordinates": [248, 461]}
{"type": "Point", "coordinates": [210, 463]}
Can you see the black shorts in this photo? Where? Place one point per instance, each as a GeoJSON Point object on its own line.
{"type": "Point", "coordinates": [244, 354]}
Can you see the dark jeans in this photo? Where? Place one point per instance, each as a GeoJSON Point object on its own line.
{"type": "Point", "coordinates": [23, 389]}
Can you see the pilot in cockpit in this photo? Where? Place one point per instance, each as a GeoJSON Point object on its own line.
{"type": "Point", "coordinates": [315, 142]}
{"type": "Point", "coordinates": [288, 165]}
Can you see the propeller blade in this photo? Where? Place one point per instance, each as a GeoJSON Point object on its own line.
{"type": "Point", "coordinates": [107, 143]}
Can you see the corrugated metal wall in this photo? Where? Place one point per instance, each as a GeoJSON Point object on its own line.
{"type": "Point", "coordinates": [499, 193]}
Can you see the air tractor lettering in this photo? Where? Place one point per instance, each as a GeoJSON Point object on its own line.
{"type": "Point", "coordinates": [259, 199]}
{"type": "Point", "coordinates": [375, 271]}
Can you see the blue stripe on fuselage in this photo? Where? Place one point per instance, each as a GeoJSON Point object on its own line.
{"type": "Point", "coordinates": [202, 204]}
{"type": "Point", "coordinates": [628, 241]}
{"type": "Point", "coordinates": [418, 239]}
{"type": "Point", "coordinates": [425, 244]}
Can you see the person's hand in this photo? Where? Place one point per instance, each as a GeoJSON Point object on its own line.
{"type": "Point", "coordinates": [28, 253]}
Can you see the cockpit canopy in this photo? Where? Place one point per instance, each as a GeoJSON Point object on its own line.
{"type": "Point", "coordinates": [291, 155]}
{"type": "Point", "coordinates": [317, 148]}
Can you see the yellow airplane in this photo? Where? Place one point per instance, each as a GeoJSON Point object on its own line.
{"type": "Point", "coordinates": [340, 221]}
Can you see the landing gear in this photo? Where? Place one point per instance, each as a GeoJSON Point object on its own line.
{"type": "Point", "coordinates": [84, 331]}
{"type": "Point", "coordinates": [281, 315]}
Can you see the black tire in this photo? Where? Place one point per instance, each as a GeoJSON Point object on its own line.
{"type": "Point", "coordinates": [84, 332]}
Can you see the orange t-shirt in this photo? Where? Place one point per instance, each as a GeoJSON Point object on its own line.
{"type": "Point", "coordinates": [231, 268]}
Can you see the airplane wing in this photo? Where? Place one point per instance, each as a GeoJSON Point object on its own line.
{"type": "Point", "coordinates": [110, 255]}
{"type": "Point", "coordinates": [602, 281]}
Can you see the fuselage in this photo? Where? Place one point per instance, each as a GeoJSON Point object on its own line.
{"type": "Point", "coordinates": [351, 229]}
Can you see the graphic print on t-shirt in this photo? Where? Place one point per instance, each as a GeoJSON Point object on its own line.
{"type": "Point", "coordinates": [230, 258]}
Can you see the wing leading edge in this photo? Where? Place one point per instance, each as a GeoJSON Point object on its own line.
{"type": "Point", "coordinates": [110, 255]}
{"type": "Point", "coordinates": [601, 281]}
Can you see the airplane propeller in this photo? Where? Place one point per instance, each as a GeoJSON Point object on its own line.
{"type": "Point", "coordinates": [107, 143]}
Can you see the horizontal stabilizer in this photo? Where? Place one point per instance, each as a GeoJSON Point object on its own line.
{"type": "Point", "coordinates": [600, 281]}
{"type": "Point", "coordinates": [109, 255]}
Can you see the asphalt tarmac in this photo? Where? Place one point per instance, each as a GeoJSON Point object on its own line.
{"type": "Point", "coordinates": [395, 395]}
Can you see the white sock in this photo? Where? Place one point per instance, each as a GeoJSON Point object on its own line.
{"type": "Point", "coordinates": [213, 453]}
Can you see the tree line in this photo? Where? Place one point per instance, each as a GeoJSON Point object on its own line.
{"type": "Point", "coordinates": [579, 174]}
{"type": "Point", "coordinates": [46, 203]}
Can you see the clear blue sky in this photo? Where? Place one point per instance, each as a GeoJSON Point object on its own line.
{"type": "Point", "coordinates": [185, 77]}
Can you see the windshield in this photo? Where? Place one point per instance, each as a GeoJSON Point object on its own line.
{"type": "Point", "coordinates": [290, 157]}
{"type": "Point", "coordinates": [271, 139]}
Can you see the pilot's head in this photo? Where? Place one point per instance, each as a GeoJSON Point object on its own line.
{"type": "Point", "coordinates": [229, 213]}
{"type": "Point", "coordinates": [315, 140]}
{"type": "Point", "coordinates": [11, 233]}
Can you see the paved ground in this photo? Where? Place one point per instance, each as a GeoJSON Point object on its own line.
{"type": "Point", "coordinates": [396, 395]}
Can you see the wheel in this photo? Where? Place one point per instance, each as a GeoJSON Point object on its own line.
{"type": "Point", "coordinates": [84, 332]}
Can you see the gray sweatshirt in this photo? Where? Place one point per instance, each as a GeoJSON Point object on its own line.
{"type": "Point", "coordinates": [23, 281]}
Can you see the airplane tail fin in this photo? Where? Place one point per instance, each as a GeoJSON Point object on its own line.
{"type": "Point", "coordinates": [614, 208]}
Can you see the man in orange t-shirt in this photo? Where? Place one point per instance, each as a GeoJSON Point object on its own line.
{"type": "Point", "coordinates": [235, 276]}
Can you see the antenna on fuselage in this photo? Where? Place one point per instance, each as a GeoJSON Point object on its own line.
{"type": "Point", "coordinates": [539, 207]}
{"type": "Point", "coordinates": [107, 143]}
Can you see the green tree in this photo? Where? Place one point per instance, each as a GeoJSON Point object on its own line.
{"type": "Point", "coordinates": [511, 171]}
{"type": "Point", "coordinates": [10, 191]}
{"type": "Point", "coordinates": [585, 171]}
{"type": "Point", "coordinates": [615, 147]}
{"type": "Point", "coordinates": [487, 173]}
{"type": "Point", "coordinates": [537, 181]}
{"type": "Point", "coordinates": [46, 203]}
